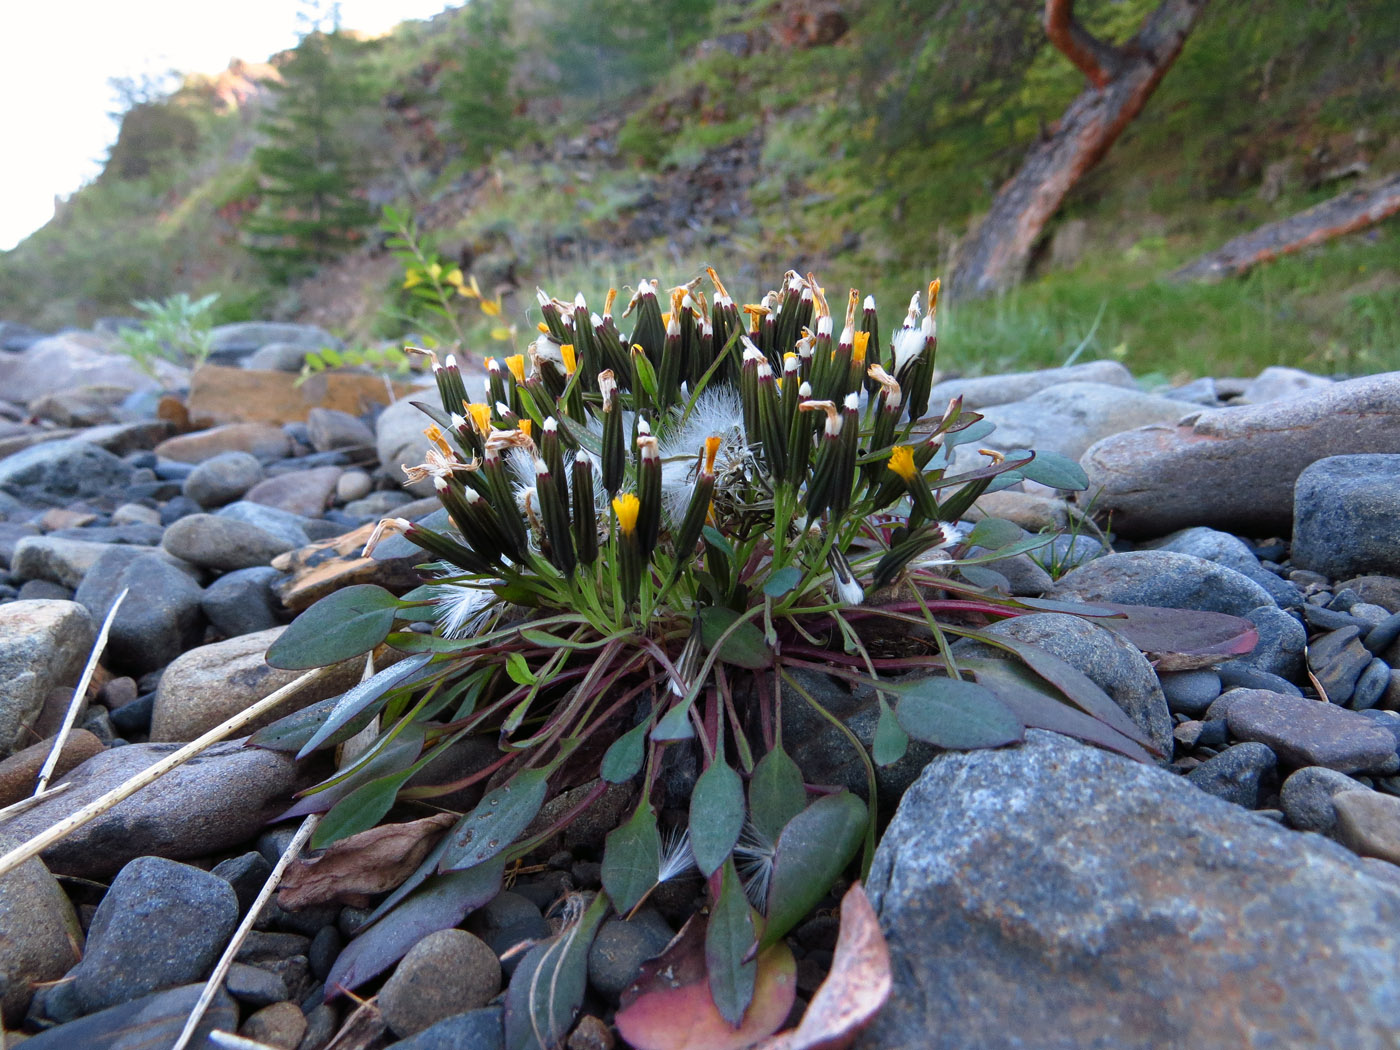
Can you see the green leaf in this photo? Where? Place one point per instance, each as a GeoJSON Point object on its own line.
{"type": "Point", "coordinates": [291, 731]}
{"type": "Point", "coordinates": [547, 987]}
{"type": "Point", "coordinates": [975, 432]}
{"type": "Point", "coordinates": [384, 758]}
{"type": "Point", "coordinates": [776, 794]}
{"type": "Point", "coordinates": [498, 818]}
{"type": "Point", "coordinates": [994, 533]}
{"type": "Point", "coordinates": [782, 581]}
{"type": "Point", "coordinates": [355, 701]}
{"type": "Point", "coordinates": [631, 859]}
{"type": "Point", "coordinates": [360, 810]}
{"type": "Point", "coordinates": [813, 849]}
{"type": "Point", "coordinates": [344, 623]}
{"type": "Point", "coordinates": [623, 759]}
{"type": "Point", "coordinates": [545, 640]}
{"type": "Point", "coordinates": [729, 936]}
{"type": "Point", "coordinates": [519, 670]}
{"type": "Point", "coordinates": [716, 815]}
{"type": "Point", "coordinates": [718, 540]}
{"type": "Point", "coordinates": [891, 741]}
{"type": "Point", "coordinates": [956, 715]}
{"type": "Point", "coordinates": [744, 647]}
{"type": "Point", "coordinates": [674, 725]}
{"type": "Point", "coordinates": [1053, 469]}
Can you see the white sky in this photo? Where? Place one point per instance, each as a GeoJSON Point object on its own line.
{"type": "Point", "coordinates": [55, 63]}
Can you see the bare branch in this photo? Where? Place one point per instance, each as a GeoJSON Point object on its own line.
{"type": "Point", "coordinates": [1097, 59]}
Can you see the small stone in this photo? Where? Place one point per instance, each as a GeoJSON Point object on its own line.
{"type": "Point", "coordinates": [1239, 774]}
{"type": "Point", "coordinates": [1377, 589]}
{"type": "Point", "coordinates": [617, 953]}
{"type": "Point", "coordinates": [1308, 733]}
{"type": "Point", "coordinates": [222, 543]}
{"type": "Point", "coordinates": [135, 514]}
{"type": "Point", "coordinates": [1383, 634]}
{"type": "Point", "coordinates": [267, 949]}
{"type": "Point", "coordinates": [1238, 674]}
{"type": "Point", "coordinates": [1370, 686]}
{"type": "Point", "coordinates": [241, 602]}
{"type": "Point", "coordinates": [43, 646]}
{"type": "Point", "coordinates": [1346, 515]}
{"type": "Point", "coordinates": [1369, 823]}
{"type": "Point", "coordinates": [1189, 692]}
{"type": "Point", "coordinates": [159, 618]}
{"type": "Point", "coordinates": [446, 973]}
{"type": "Point", "coordinates": [1307, 797]}
{"type": "Point", "coordinates": [331, 429]}
{"type": "Point", "coordinates": [283, 524]}
{"type": "Point", "coordinates": [246, 873]}
{"type": "Point", "coordinates": [352, 485]}
{"type": "Point", "coordinates": [19, 772]}
{"type": "Point", "coordinates": [304, 492]}
{"type": "Point", "coordinates": [262, 440]}
{"type": "Point", "coordinates": [223, 478]}
{"type": "Point", "coordinates": [590, 1033]}
{"type": "Point", "coordinates": [254, 985]}
{"type": "Point", "coordinates": [57, 472]}
{"type": "Point", "coordinates": [161, 924]}
{"type": "Point", "coordinates": [321, 1026]}
{"type": "Point", "coordinates": [1324, 618]}
{"type": "Point", "coordinates": [1230, 551]}
{"type": "Point", "coordinates": [1282, 640]}
{"type": "Point", "coordinates": [506, 920]}
{"type": "Point", "coordinates": [56, 558]}
{"type": "Point", "coordinates": [325, 946]}
{"type": "Point", "coordinates": [1337, 660]}
{"type": "Point", "coordinates": [281, 1025]}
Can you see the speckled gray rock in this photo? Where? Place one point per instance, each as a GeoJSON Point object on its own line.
{"type": "Point", "coordinates": [208, 684]}
{"type": "Point", "coordinates": [1282, 640]}
{"type": "Point", "coordinates": [1230, 551]}
{"type": "Point", "coordinates": [981, 391]}
{"type": "Point", "coordinates": [1063, 891]}
{"type": "Point", "coordinates": [1189, 692]}
{"type": "Point", "coordinates": [57, 472]}
{"type": "Point", "coordinates": [1369, 823]}
{"type": "Point", "coordinates": [1114, 665]}
{"type": "Point", "coordinates": [160, 925]}
{"type": "Point", "coordinates": [43, 646]}
{"type": "Point", "coordinates": [222, 479]}
{"type": "Point", "coordinates": [1241, 774]}
{"type": "Point", "coordinates": [1346, 515]}
{"type": "Point", "coordinates": [1306, 798]}
{"type": "Point", "coordinates": [241, 602]}
{"type": "Point", "coordinates": [152, 1022]}
{"type": "Point", "coordinates": [478, 1029]}
{"type": "Point", "coordinates": [446, 973]}
{"type": "Point", "coordinates": [1165, 578]}
{"type": "Point", "coordinates": [40, 938]}
{"type": "Point", "coordinates": [216, 801]}
{"type": "Point", "coordinates": [330, 428]}
{"type": "Point", "coordinates": [1234, 468]}
{"type": "Point", "coordinates": [1305, 732]}
{"type": "Point", "coordinates": [56, 558]}
{"type": "Point", "coordinates": [618, 951]}
{"type": "Point", "coordinates": [222, 543]}
{"type": "Point", "coordinates": [159, 618]}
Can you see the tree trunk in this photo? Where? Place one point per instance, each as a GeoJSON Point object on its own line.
{"type": "Point", "coordinates": [1123, 79]}
{"type": "Point", "coordinates": [1354, 210]}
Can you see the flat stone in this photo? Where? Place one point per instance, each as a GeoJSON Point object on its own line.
{"type": "Point", "coordinates": [214, 802]}
{"type": "Point", "coordinates": [446, 973]}
{"type": "Point", "coordinates": [40, 938]}
{"type": "Point", "coordinates": [1240, 774]}
{"type": "Point", "coordinates": [20, 772]}
{"type": "Point", "coordinates": [58, 472]}
{"type": "Point", "coordinates": [981, 391]}
{"type": "Point", "coordinates": [1162, 578]}
{"type": "Point", "coordinates": [1346, 515]}
{"type": "Point", "coordinates": [1369, 823]}
{"type": "Point", "coordinates": [222, 543]}
{"type": "Point", "coordinates": [1306, 732]}
{"type": "Point", "coordinates": [43, 647]}
{"type": "Point", "coordinates": [1062, 891]}
{"type": "Point", "coordinates": [1307, 798]}
{"type": "Point", "coordinates": [223, 478]}
{"type": "Point", "coordinates": [153, 1022]}
{"type": "Point", "coordinates": [160, 925]}
{"type": "Point", "coordinates": [304, 492]}
{"type": "Point", "coordinates": [330, 429]}
{"type": "Point", "coordinates": [211, 683]}
{"type": "Point", "coordinates": [227, 395]}
{"type": "Point", "coordinates": [1235, 468]}
{"type": "Point", "coordinates": [1276, 383]}
{"type": "Point", "coordinates": [1337, 659]}
{"type": "Point", "coordinates": [1230, 551]}
{"type": "Point", "coordinates": [254, 985]}
{"type": "Point", "coordinates": [262, 440]}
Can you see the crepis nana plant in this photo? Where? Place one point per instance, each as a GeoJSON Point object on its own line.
{"type": "Point", "coordinates": [643, 538]}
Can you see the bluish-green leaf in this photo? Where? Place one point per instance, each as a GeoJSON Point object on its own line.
{"type": "Point", "coordinates": [345, 623]}
{"type": "Point", "coordinates": [956, 715]}
{"type": "Point", "coordinates": [891, 741]}
{"type": "Point", "coordinates": [360, 810]}
{"type": "Point", "coordinates": [994, 533]}
{"type": "Point", "coordinates": [355, 701]}
{"type": "Point", "coordinates": [729, 936]}
{"type": "Point", "coordinates": [632, 859]}
{"type": "Point", "coordinates": [623, 759]}
{"type": "Point", "coordinates": [976, 432]}
{"type": "Point", "coordinates": [501, 815]}
{"type": "Point", "coordinates": [776, 794]}
{"type": "Point", "coordinates": [716, 815]}
{"type": "Point", "coordinates": [782, 581]}
{"type": "Point", "coordinates": [718, 540]}
{"type": "Point", "coordinates": [395, 755]}
{"type": "Point", "coordinates": [547, 987]}
{"type": "Point", "coordinates": [744, 647]}
{"type": "Point", "coordinates": [813, 850]}
{"type": "Point", "coordinates": [1053, 469]}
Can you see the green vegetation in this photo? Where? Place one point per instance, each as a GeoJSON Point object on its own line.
{"type": "Point", "coordinates": [177, 330]}
{"type": "Point", "coordinates": [582, 141]}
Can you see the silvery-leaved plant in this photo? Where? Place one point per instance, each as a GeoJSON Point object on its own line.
{"type": "Point", "coordinates": [643, 536]}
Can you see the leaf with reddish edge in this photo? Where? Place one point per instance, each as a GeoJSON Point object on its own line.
{"type": "Point", "coordinates": [441, 903]}
{"type": "Point", "coordinates": [1182, 639]}
{"type": "Point", "coordinates": [669, 1006]}
{"type": "Point", "coordinates": [1039, 707]}
{"type": "Point", "coordinates": [855, 989]}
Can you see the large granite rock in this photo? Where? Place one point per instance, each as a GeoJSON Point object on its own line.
{"type": "Point", "coordinates": [75, 359]}
{"type": "Point", "coordinates": [1057, 896]}
{"type": "Point", "coordinates": [980, 391]}
{"type": "Point", "coordinates": [57, 472]}
{"type": "Point", "coordinates": [1164, 578]}
{"type": "Point", "coordinates": [1235, 468]}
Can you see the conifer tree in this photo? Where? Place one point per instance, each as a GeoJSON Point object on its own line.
{"type": "Point", "coordinates": [312, 169]}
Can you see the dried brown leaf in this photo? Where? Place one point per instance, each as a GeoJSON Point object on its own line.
{"type": "Point", "coordinates": [353, 869]}
{"type": "Point", "coordinates": [854, 990]}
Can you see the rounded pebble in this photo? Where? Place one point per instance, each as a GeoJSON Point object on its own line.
{"type": "Point", "coordinates": [448, 972]}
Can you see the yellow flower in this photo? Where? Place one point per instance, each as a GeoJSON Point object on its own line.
{"type": "Point", "coordinates": [902, 462]}
{"type": "Point", "coordinates": [481, 418]}
{"type": "Point", "coordinates": [412, 277]}
{"type": "Point", "coordinates": [627, 507]}
{"type": "Point", "coordinates": [566, 351]}
{"type": "Point", "coordinates": [859, 347]}
{"type": "Point", "coordinates": [516, 364]}
{"type": "Point", "coordinates": [454, 278]}
{"type": "Point", "coordinates": [527, 427]}
{"type": "Point", "coordinates": [491, 308]}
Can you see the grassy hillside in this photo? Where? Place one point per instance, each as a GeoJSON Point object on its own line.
{"type": "Point", "coordinates": [585, 143]}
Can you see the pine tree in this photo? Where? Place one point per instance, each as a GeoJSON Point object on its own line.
{"type": "Point", "coordinates": [312, 169]}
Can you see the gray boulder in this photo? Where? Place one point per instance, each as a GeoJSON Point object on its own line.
{"type": "Point", "coordinates": [232, 342]}
{"type": "Point", "coordinates": [1346, 516]}
{"type": "Point", "coordinates": [43, 646]}
{"type": "Point", "coordinates": [58, 472]}
{"type": "Point", "coordinates": [1165, 578]}
{"type": "Point", "coordinates": [159, 618]}
{"type": "Point", "coordinates": [1057, 896]}
{"type": "Point", "coordinates": [1230, 551]}
{"type": "Point", "coordinates": [980, 391]}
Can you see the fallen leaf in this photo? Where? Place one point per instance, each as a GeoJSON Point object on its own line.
{"type": "Point", "coordinates": [355, 868]}
{"type": "Point", "coordinates": [854, 990]}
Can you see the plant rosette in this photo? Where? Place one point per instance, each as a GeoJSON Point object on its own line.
{"type": "Point", "coordinates": [643, 537]}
